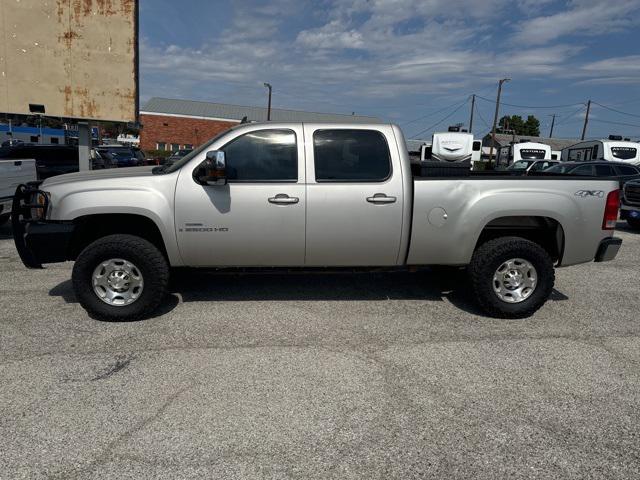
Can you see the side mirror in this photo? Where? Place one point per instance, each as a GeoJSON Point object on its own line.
{"type": "Point", "coordinates": [213, 171]}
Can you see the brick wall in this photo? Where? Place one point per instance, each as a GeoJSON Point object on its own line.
{"type": "Point", "coordinates": [180, 130]}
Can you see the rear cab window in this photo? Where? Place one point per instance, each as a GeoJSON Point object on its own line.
{"type": "Point", "coordinates": [351, 155]}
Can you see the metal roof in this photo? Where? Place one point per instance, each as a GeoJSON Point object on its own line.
{"type": "Point", "coordinates": [193, 108]}
{"type": "Point", "coordinates": [503, 139]}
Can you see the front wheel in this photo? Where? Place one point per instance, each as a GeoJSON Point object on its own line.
{"type": "Point", "coordinates": [634, 223]}
{"type": "Point", "coordinates": [120, 278]}
{"type": "Point", "coordinates": [511, 277]}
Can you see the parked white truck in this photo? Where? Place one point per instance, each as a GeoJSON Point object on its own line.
{"type": "Point", "coordinates": [314, 196]}
{"type": "Point", "coordinates": [12, 174]}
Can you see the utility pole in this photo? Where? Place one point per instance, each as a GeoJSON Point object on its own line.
{"type": "Point", "coordinates": [495, 118]}
{"type": "Point", "coordinates": [586, 120]}
{"type": "Point", "coordinates": [473, 105]}
{"type": "Point", "coordinates": [553, 122]}
{"type": "Point", "coordinates": [268, 85]}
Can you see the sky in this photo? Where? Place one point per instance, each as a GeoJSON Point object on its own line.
{"type": "Point", "coordinates": [411, 62]}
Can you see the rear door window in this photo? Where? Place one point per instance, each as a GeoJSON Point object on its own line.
{"type": "Point", "coordinates": [351, 156]}
{"type": "Point", "coordinates": [604, 171]}
{"type": "Point", "coordinates": [586, 170]}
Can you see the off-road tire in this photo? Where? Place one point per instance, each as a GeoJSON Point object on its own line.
{"type": "Point", "coordinates": [634, 223]}
{"type": "Point", "coordinates": [488, 258]}
{"type": "Point", "coordinates": [148, 259]}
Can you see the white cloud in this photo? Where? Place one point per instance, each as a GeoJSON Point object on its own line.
{"type": "Point", "coordinates": [584, 17]}
{"type": "Point", "coordinates": [349, 52]}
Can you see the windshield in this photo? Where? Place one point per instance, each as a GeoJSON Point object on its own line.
{"type": "Point", "coordinates": [177, 165]}
{"type": "Point", "coordinates": [520, 165]}
{"type": "Point", "coordinates": [623, 153]}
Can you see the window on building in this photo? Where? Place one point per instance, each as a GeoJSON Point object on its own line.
{"type": "Point", "coordinates": [161, 146]}
{"type": "Point", "coordinates": [175, 147]}
{"type": "Point", "coordinates": [34, 139]}
{"type": "Point", "coordinates": [351, 156]}
{"type": "Point", "coordinates": [188, 146]}
{"type": "Point", "coordinates": [55, 140]}
{"type": "Point", "coordinates": [262, 156]}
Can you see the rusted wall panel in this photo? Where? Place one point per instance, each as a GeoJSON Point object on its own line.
{"type": "Point", "coordinates": [76, 57]}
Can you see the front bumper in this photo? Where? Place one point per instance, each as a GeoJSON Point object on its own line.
{"type": "Point", "coordinates": [37, 241]}
{"type": "Point", "coordinates": [629, 211]}
{"type": "Point", "coordinates": [608, 249]}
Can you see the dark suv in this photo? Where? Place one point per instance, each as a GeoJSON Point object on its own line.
{"type": "Point", "coordinates": [630, 204]}
{"type": "Point", "coordinates": [121, 156]}
{"type": "Point", "coordinates": [50, 160]}
{"type": "Point", "coordinates": [619, 170]}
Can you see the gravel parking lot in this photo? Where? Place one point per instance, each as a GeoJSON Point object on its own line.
{"type": "Point", "coordinates": [372, 376]}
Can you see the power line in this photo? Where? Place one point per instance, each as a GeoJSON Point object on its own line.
{"type": "Point", "coordinates": [434, 113]}
{"type": "Point", "coordinates": [615, 123]}
{"type": "Point", "coordinates": [482, 118]}
{"type": "Point", "coordinates": [442, 120]}
{"type": "Point", "coordinates": [617, 111]}
{"type": "Point", "coordinates": [530, 106]}
{"type": "Point", "coordinates": [571, 115]}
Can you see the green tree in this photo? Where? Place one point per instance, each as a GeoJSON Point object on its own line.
{"type": "Point", "coordinates": [515, 124]}
{"type": "Point", "coordinates": [532, 126]}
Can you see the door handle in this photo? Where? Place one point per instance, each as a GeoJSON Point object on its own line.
{"type": "Point", "coordinates": [381, 198]}
{"type": "Point", "coordinates": [283, 199]}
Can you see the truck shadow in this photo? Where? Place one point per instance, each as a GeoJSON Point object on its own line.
{"type": "Point", "coordinates": [623, 226]}
{"type": "Point", "coordinates": [206, 286]}
{"type": "Point", "coordinates": [5, 231]}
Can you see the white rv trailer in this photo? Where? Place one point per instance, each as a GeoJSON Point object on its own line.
{"type": "Point", "coordinates": [451, 147]}
{"type": "Point", "coordinates": [523, 151]}
{"type": "Point", "coordinates": [615, 149]}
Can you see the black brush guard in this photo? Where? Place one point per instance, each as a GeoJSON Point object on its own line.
{"type": "Point", "coordinates": [37, 241]}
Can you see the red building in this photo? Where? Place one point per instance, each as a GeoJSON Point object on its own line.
{"type": "Point", "coordinates": [169, 124]}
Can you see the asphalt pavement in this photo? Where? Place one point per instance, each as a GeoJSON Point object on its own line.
{"type": "Point", "coordinates": [371, 376]}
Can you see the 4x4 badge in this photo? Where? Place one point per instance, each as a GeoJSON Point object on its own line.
{"type": "Point", "coordinates": [589, 193]}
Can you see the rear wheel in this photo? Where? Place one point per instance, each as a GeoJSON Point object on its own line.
{"type": "Point", "coordinates": [511, 277]}
{"type": "Point", "coordinates": [120, 278]}
{"type": "Point", "coordinates": [634, 223]}
{"type": "Point", "coordinates": [4, 219]}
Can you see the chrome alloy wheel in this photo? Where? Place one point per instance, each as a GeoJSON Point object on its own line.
{"type": "Point", "coordinates": [117, 282]}
{"type": "Point", "coordinates": [515, 280]}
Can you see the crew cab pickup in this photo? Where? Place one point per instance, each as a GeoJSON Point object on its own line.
{"type": "Point", "coordinates": [313, 196]}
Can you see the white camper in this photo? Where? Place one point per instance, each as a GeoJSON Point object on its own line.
{"type": "Point", "coordinates": [452, 147]}
{"type": "Point", "coordinates": [523, 151]}
{"type": "Point", "coordinates": [615, 149]}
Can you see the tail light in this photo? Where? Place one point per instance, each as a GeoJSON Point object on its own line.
{"type": "Point", "coordinates": [611, 208]}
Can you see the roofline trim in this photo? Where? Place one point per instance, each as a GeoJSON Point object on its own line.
{"type": "Point", "coordinates": [198, 117]}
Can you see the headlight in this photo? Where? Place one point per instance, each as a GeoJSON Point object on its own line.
{"type": "Point", "coordinates": [40, 198]}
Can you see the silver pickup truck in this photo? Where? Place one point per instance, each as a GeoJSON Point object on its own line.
{"type": "Point", "coordinates": [313, 196]}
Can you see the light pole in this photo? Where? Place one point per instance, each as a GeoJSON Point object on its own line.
{"type": "Point", "coordinates": [268, 85]}
{"type": "Point", "coordinates": [495, 118]}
